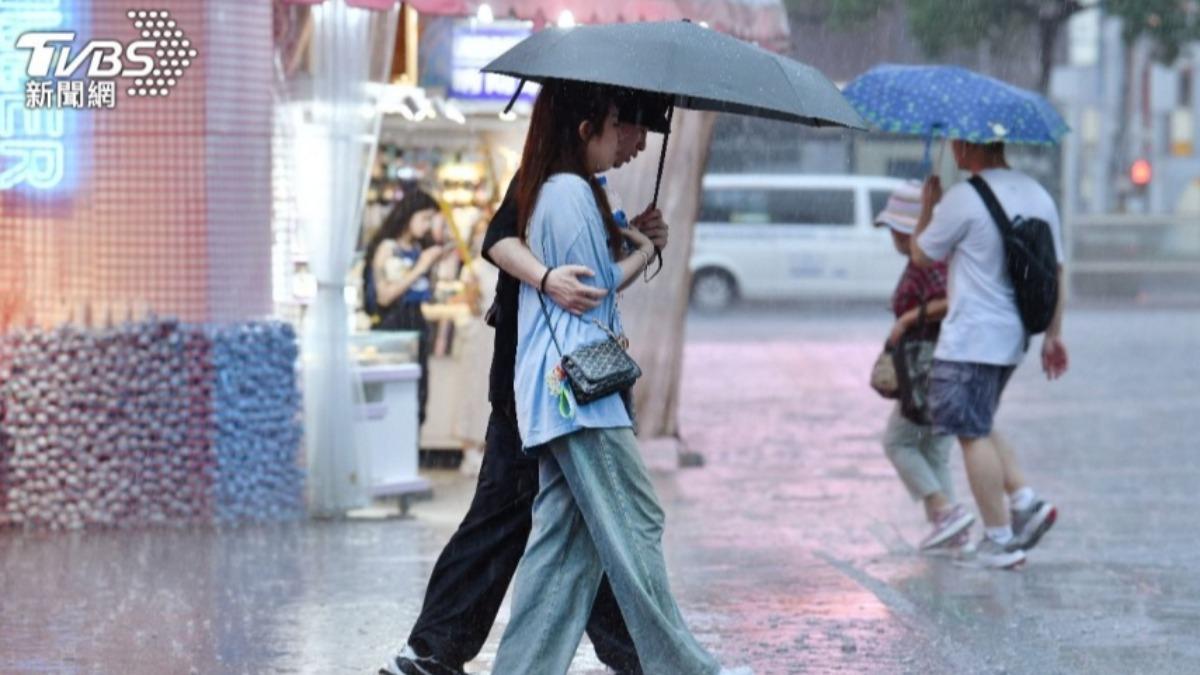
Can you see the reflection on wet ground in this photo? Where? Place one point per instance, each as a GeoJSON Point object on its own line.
{"type": "Point", "coordinates": [791, 550]}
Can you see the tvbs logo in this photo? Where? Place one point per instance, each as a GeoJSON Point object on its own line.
{"type": "Point", "coordinates": [154, 63]}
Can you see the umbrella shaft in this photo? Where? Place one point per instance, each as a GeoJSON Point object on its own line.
{"type": "Point", "coordinates": [662, 156]}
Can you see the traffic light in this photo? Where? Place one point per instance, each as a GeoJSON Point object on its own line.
{"type": "Point", "coordinates": [1141, 172]}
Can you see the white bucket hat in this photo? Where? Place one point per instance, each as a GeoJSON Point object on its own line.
{"type": "Point", "coordinates": [903, 209]}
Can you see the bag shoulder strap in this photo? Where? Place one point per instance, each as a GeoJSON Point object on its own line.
{"type": "Point", "coordinates": [993, 205]}
{"type": "Point", "coordinates": [554, 336]}
{"type": "Point", "coordinates": [550, 325]}
{"type": "Point", "coordinates": [610, 330]}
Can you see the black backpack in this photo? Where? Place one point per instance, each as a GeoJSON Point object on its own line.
{"type": "Point", "coordinates": [1032, 263]}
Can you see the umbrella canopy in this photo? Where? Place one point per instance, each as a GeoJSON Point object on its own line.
{"type": "Point", "coordinates": [698, 68]}
{"type": "Point", "coordinates": [952, 102]}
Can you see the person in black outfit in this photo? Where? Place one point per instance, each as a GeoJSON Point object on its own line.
{"type": "Point", "coordinates": [475, 568]}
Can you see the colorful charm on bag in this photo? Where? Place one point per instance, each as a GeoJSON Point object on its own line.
{"type": "Point", "coordinates": [556, 382]}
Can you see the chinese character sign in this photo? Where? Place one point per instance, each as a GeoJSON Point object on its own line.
{"type": "Point", "coordinates": [32, 127]}
{"type": "Point", "coordinates": [48, 69]}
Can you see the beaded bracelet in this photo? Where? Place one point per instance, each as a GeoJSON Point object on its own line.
{"type": "Point", "coordinates": [646, 258]}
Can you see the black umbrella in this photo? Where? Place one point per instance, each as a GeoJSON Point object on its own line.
{"type": "Point", "coordinates": [697, 68]}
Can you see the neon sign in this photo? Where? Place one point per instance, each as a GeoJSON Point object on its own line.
{"type": "Point", "coordinates": [33, 142]}
{"type": "Point", "coordinates": [474, 46]}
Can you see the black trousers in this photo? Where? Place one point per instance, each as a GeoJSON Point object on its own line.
{"type": "Point", "coordinates": [474, 570]}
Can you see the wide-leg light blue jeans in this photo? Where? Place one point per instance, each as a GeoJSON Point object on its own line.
{"type": "Point", "coordinates": [595, 513]}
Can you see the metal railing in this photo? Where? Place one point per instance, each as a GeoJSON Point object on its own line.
{"type": "Point", "coordinates": [1143, 256]}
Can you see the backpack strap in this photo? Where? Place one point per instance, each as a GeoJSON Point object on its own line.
{"type": "Point", "coordinates": [993, 204]}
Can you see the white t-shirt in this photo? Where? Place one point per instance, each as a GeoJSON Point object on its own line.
{"type": "Point", "coordinates": [983, 325]}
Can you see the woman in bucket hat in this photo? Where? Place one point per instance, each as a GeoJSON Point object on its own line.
{"type": "Point", "coordinates": [921, 458]}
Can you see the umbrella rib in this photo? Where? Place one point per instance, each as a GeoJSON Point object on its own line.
{"type": "Point", "coordinates": [562, 36]}
{"type": "Point", "coordinates": [780, 68]}
{"type": "Point", "coordinates": [667, 64]}
{"type": "Point", "coordinates": [552, 44]}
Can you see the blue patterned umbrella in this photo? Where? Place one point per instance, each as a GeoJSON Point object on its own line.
{"type": "Point", "coordinates": [952, 102]}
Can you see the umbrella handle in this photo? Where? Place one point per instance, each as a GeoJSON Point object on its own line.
{"type": "Point", "coordinates": [662, 156]}
{"type": "Point", "coordinates": [927, 166]}
{"type": "Point", "coordinates": [927, 160]}
{"type": "Point", "coordinates": [662, 160]}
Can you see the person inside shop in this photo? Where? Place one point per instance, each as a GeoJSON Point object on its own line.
{"type": "Point", "coordinates": [475, 568]}
{"type": "Point", "coordinates": [397, 276]}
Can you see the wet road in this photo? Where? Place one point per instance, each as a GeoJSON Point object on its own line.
{"type": "Point", "coordinates": [791, 550]}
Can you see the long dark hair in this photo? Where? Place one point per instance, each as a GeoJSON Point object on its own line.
{"type": "Point", "coordinates": [553, 145]}
{"type": "Point", "coordinates": [396, 224]}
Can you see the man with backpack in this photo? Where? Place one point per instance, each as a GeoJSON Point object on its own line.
{"type": "Point", "coordinates": [1001, 232]}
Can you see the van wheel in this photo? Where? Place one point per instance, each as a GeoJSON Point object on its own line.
{"type": "Point", "coordinates": [713, 290]}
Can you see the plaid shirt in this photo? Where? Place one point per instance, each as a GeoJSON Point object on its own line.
{"type": "Point", "coordinates": [917, 284]}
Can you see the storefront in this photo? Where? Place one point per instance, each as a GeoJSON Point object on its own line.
{"type": "Point", "coordinates": [451, 137]}
{"type": "Point", "coordinates": [142, 378]}
{"type": "Point", "coordinates": [179, 340]}
{"type": "Point", "coordinates": [442, 128]}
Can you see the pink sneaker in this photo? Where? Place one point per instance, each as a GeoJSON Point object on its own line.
{"type": "Point", "coordinates": [954, 522]}
{"type": "Point", "coordinates": [958, 546]}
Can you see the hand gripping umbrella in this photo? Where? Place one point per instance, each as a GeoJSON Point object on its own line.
{"type": "Point", "coordinates": [693, 66]}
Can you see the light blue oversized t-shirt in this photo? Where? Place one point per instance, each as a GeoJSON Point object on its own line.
{"type": "Point", "coordinates": [564, 229]}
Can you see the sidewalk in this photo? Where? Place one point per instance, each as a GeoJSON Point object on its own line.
{"type": "Point", "coordinates": [792, 550]}
{"type": "Point", "coordinates": [1112, 589]}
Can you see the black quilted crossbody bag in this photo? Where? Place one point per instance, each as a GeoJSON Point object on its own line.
{"type": "Point", "coordinates": [913, 355]}
{"type": "Point", "coordinates": [597, 369]}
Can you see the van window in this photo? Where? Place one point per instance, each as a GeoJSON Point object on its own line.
{"type": "Point", "coordinates": [763, 206]}
{"type": "Point", "coordinates": [734, 206]}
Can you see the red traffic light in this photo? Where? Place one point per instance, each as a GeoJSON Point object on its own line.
{"type": "Point", "coordinates": [1141, 172]}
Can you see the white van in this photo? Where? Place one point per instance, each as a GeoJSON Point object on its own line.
{"type": "Point", "coordinates": [772, 237]}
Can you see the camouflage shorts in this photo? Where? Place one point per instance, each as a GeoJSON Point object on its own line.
{"type": "Point", "coordinates": [964, 397]}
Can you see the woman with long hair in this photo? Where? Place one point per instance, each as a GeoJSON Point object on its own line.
{"type": "Point", "coordinates": [396, 273]}
{"type": "Point", "coordinates": [596, 512]}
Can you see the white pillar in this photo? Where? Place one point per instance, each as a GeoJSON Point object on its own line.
{"type": "Point", "coordinates": [1109, 84]}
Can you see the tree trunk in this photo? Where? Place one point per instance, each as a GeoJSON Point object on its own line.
{"type": "Point", "coordinates": [1047, 41]}
{"type": "Point", "coordinates": [1051, 19]}
{"type": "Point", "coordinates": [655, 314]}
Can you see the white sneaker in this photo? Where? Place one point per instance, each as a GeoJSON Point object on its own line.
{"type": "Point", "coordinates": [408, 662]}
{"type": "Point", "coordinates": [740, 670]}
